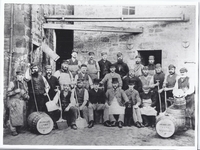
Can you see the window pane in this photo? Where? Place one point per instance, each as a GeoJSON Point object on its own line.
{"type": "Point", "coordinates": [125, 11]}
{"type": "Point", "coordinates": [132, 12]}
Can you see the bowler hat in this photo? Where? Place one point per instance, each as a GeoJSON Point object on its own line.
{"type": "Point", "coordinates": [119, 54]}
{"type": "Point", "coordinates": [103, 53]}
{"type": "Point", "coordinates": [83, 65]}
{"type": "Point", "coordinates": [96, 81]}
{"type": "Point", "coordinates": [112, 66]}
{"type": "Point", "coordinates": [91, 53]}
{"type": "Point", "coordinates": [48, 67]}
{"type": "Point", "coordinates": [115, 80]}
{"type": "Point", "coordinates": [131, 82]}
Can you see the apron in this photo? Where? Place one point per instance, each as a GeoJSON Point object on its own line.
{"type": "Point", "coordinates": [73, 69]}
{"type": "Point", "coordinates": [92, 71]}
{"type": "Point", "coordinates": [147, 109]}
{"type": "Point", "coordinates": [115, 108]}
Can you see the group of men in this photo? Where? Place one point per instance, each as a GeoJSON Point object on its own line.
{"type": "Point", "coordinates": [100, 85]}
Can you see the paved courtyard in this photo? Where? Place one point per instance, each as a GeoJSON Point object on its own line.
{"type": "Point", "coordinates": [100, 135]}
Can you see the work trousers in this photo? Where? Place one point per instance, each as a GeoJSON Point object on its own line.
{"type": "Point", "coordinates": [71, 115]}
{"type": "Point", "coordinates": [137, 115]}
{"type": "Point", "coordinates": [112, 118]}
{"type": "Point", "coordinates": [93, 107]}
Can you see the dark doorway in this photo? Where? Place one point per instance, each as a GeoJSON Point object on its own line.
{"type": "Point", "coordinates": [146, 53]}
{"type": "Point", "coordinates": [64, 45]}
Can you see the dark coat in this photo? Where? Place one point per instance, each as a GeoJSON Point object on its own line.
{"type": "Point", "coordinates": [121, 68]}
{"type": "Point", "coordinates": [104, 67]}
{"type": "Point", "coordinates": [97, 97]}
{"type": "Point", "coordinates": [136, 80]}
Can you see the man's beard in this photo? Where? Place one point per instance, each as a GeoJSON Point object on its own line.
{"type": "Point", "coordinates": [35, 74]}
{"type": "Point", "coordinates": [120, 60]}
{"type": "Point", "coordinates": [171, 73]}
{"type": "Point", "coordinates": [137, 62]}
{"type": "Point", "coordinates": [49, 74]}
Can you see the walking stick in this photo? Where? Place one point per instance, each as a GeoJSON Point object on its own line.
{"type": "Point", "coordinates": [159, 96]}
{"type": "Point", "coordinates": [165, 99]}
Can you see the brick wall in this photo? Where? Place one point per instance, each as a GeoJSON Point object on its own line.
{"type": "Point", "coordinates": [164, 36]}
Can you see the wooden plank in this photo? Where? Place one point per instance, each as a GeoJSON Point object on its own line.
{"type": "Point", "coordinates": [92, 28]}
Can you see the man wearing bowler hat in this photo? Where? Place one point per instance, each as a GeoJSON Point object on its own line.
{"type": "Point", "coordinates": [186, 84]}
{"type": "Point", "coordinates": [104, 65]}
{"type": "Point", "coordinates": [97, 102]}
{"type": "Point", "coordinates": [116, 99]}
{"type": "Point", "coordinates": [151, 65]}
{"type": "Point", "coordinates": [18, 94]}
{"type": "Point", "coordinates": [121, 67]}
{"type": "Point", "coordinates": [37, 87]}
{"type": "Point", "coordinates": [63, 75]}
{"type": "Point", "coordinates": [92, 66]}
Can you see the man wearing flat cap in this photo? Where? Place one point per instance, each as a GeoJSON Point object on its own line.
{"type": "Point", "coordinates": [18, 94]}
{"type": "Point", "coordinates": [157, 84]}
{"type": "Point", "coordinates": [121, 67]}
{"type": "Point", "coordinates": [138, 66]}
{"type": "Point", "coordinates": [186, 84]}
{"type": "Point", "coordinates": [74, 63]}
{"type": "Point", "coordinates": [108, 78]}
{"type": "Point", "coordinates": [38, 87]}
{"type": "Point", "coordinates": [116, 99]}
{"type": "Point", "coordinates": [151, 65]}
{"type": "Point", "coordinates": [92, 66]}
{"type": "Point", "coordinates": [104, 65]}
{"type": "Point", "coordinates": [170, 81]}
{"type": "Point", "coordinates": [96, 103]}
{"type": "Point", "coordinates": [64, 75]}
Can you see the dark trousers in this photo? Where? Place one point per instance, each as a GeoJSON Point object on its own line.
{"type": "Point", "coordinates": [55, 115]}
{"type": "Point", "coordinates": [40, 101]}
{"type": "Point", "coordinates": [71, 115]}
{"type": "Point", "coordinates": [151, 120]}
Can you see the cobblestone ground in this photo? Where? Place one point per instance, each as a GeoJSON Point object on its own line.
{"type": "Point", "coordinates": [101, 135]}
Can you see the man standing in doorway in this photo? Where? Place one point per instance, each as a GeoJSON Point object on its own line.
{"type": "Point", "coordinates": [104, 65]}
{"type": "Point", "coordinates": [74, 63]}
{"type": "Point", "coordinates": [37, 87]}
{"type": "Point", "coordinates": [121, 67]}
{"type": "Point", "coordinates": [63, 75]}
{"type": "Point", "coordinates": [138, 66]}
{"type": "Point", "coordinates": [93, 67]}
{"type": "Point", "coordinates": [151, 65]}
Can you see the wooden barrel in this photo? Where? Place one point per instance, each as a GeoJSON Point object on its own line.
{"type": "Point", "coordinates": [166, 126]}
{"type": "Point", "coordinates": [173, 120]}
{"type": "Point", "coordinates": [40, 122]}
{"type": "Point", "coordinates": [179, 102]}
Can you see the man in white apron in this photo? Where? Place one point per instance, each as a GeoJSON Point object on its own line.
{"type": "Point", "coordinates": [93, 67]}
{"type": "Point", "coordinates": [116, 99]}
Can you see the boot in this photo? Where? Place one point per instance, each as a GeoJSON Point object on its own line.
{"type": "Point", "coordinates": [187, 124]}
{"type": "Point", "coordinates": [91, 124]}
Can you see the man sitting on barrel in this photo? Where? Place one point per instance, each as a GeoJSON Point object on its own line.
{"type": "Point", "coordinates": [187, 85]}
{"type": "Point", "coordinates": [116, 99]}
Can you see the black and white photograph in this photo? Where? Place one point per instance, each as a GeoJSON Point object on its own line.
{"type": "Point", "coordinates": [106, 74]}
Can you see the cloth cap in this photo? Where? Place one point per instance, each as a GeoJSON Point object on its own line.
{"type": "Point", "coordinates": [75, 51]}
{"type": "Point", "coordinates": [119, 54]}
{"type": "Point", "coordinates": [112, 66]}
{"type": "Point", "coordinates": [91, 53]}
{"type": "Point", "coordinates": [19, 72]}
{"type": "Point", "coordinates": [182, 70]}
{"type": "Point", "coordinates": [96, 81]}
{"type": "Point", "coordinates": [151, 57]}
{"type": "Point", "coordinates": [146, 88]}
{"type": "Point", "coordinates": [171, 66]}
{"type": "Point", "coordinates": [83, 65]}
{"type": "Point", "coordinates": [65, 61]}
{"type": "Point", "coordinates": [103, 53]}
{"type": "Point", "coordinates": [48, 67]}
{"type": "Point", "coordinates": [115, 80]}
{"type": "Point", "coordinates": [138, 56]}
{"type": "Point", "coordinates": [145, 68]}
{"type": "Point", "coordinates": [79, 80]}
{"type": "Point", "coordinates": [158, 65]}
{"type": "Point", "coordinates": [131, 82]}
{"type": "Point", "coordinates": [33, 65]}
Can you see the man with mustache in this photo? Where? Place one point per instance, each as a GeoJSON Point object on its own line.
{"type": "Point", "coordinates": [138, 66]}
{"type": "Point", "coordinates": [63, 75]}
{"type": "Point", "coordinates": [37, 87]}
{"type": "Point", "coordinates": [121, 67]}
{"type": "Point", "coordinates": [151, 65]}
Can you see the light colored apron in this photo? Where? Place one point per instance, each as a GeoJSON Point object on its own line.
{"type": "Point", "coordinates": [147, 109]}
{"type": "Point", "coordinates": [73, 69]}
{"type": "Point", "coordinates": [92, 71]}
{"type": "Point", "coordinates": [115, 108]}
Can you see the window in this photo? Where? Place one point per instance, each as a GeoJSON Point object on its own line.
{"type": "Point", "coordinates": [128, 10]}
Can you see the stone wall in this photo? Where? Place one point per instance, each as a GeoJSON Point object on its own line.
{"type": "Point", "coordinates": [166, 36]}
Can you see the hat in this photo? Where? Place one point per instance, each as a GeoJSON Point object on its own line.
{"type": "Point", "coordinates": [33, 65]}
{"type": "Point", "coordinates": [48, 67]}
{"type": "Point", "coordinates": [75, 51]}
{"type": "Point", "coordinates": [65, 61]}
{"type": "Point", "coordinates": [131, 82]}
{"type": "Point", "coordinates": [158, 65]}
{"type": "Point", "coordinates": [96, 81]}
{"type": "Point", "coordinates": [103, 53]}
{"type": "Point", "coordinates": [171, 66]}
{"type": "Point", "coordinates": [138, 56]}
{"type": "Point", "coordinates": [146, 88]}
{"type": "Point", "coordinates": [151, 57]}
{"type": "Point", "coordinates": [115, 80]}
{"type": "Point", "coordinates": [79, 80]}
{"type": "Point", "coordinates": [119, 54]}
{"type": "Point", "coordinates": [112, 66]}
{"type": "Point", "coordinates": [83, 65]}
{"type": "Point", "coordinates": [182, 70]}
{"type": "Point", "coordinates": [19, 72]}
{"type": "Point", "coordinates": [91, 53]}
{"type": "Point", "coordinates": [145, 68]}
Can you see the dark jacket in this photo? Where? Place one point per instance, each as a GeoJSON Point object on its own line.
{"type": "Point", "coordinates": [121, 68]}
{"type": "Point", "coordinates": [97, 97]}
{"type": "Point", "coordinates": [136, 80]}
{"type": "Point", "coordinates": [104, 67]}
{"type": "Point", "coordinates": [65, 100]}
